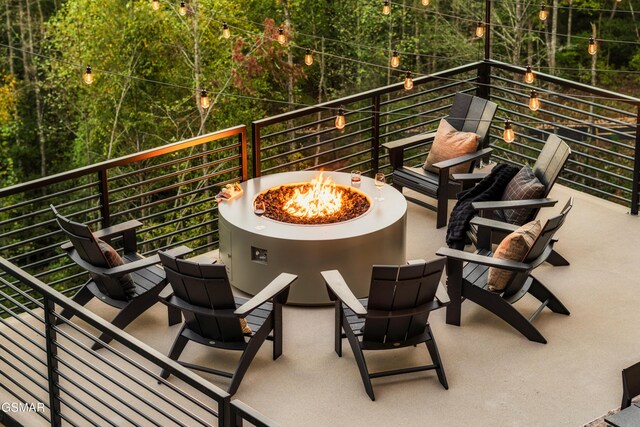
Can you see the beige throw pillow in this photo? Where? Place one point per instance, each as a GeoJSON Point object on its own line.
{"type": "Point", "coordinates": [514, 247]}
{"type": "Point", "coordinates": [448, 144]}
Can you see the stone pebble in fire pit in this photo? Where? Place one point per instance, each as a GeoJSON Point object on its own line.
{"type": "Point", "coordinates": [354, 204]}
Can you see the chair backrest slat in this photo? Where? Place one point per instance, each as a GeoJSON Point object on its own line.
{"type": "Point", "coordinates": [395, 288]}
{"type": "Point", "coordinates": [551, 161]}
{"type": "Point", "coordinates": [630, 384]}
{"type": "Point", "coordinates": [206, 286]}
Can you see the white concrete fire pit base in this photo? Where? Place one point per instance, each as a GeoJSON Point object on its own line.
{"type": "Point", "coordinates": [254, 257]}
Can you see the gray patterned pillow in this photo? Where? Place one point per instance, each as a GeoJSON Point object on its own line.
{"type": "Point", "coordinates": [523, 186]}
{"type": "Point", "coordinates": [114, 260]}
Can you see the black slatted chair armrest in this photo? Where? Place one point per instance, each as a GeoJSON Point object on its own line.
{"type": "Point", "coordinates": [446, 164]}
{"type": "Point", "coordinates": [513, 204]}
{"type": "Point", "coordinates": [117, 229]}
{"type": "Point", "coordinates": [174, 301]}
{"type": "Point", "coordinates": [179, 251]}
{"type": "Point", "coordinates": [412, 141]}
{"type": "Point", "coordinates": [338, 289]}
{"type": "Point", "coordinates": [130, 267]}
{"type": "Point", "coordinates": [493, 225]}
{"type": "Point", "coordinates": [165, 295]}
{"type": "Point", "coordinates": [416, 261]}
{"type": "Point", "coordinates": [278, 286]}
{"type": "Point", "coordinates": [251, 415]}
{"type": "Point", "coordinates": [469, 177]}
{"type": "Point", "coordinates": [483, 260]}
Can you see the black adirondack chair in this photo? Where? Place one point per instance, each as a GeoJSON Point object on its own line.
{"type": "Point", "coordinates": [548, 166]}
{"type": "Point", "coordinates": [630, 384]}
{"type": "Point", "coordinates": [469, 114]}
{"type": "Point", "coordinates": [467, 277]}
{"type": "Point", "coordinates": [394, 316]}
{"type": "Point", "coordinates": [148, 277]}
{"type": "Point", "coordinates": [212, 314]}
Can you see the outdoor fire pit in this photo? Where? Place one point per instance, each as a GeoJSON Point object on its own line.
{"type": "Point", "coordinates": [312, 222]}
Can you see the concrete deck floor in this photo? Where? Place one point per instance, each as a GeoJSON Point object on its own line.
{"type": "Point", "coordinates": [496, 376]}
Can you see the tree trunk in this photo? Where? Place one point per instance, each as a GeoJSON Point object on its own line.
{"type": "Point", "coordinates": [569, 22]}
{"type": "Point", "coordinates": [321, 64]}
{"type": "Point", "coordinates": [32, 72]}
{"type": "Point", "coordinates": [635, 23]}
{"type": "Point", "coordinates": [554, 37]}
{"type": "Point", "coordinates": [9, 37]}
{"type": "Point", "coordinates": [197, 69]}
{"type": "Point", "coordinates": [290, 86]}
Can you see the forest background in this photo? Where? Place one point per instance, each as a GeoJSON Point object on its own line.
{"type": "Point", "coordinates": [149, 66]}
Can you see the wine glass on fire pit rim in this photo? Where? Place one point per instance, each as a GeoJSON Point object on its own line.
{"type": "Point", "coordinates": [259, 208]}
{"type": "Point", "coordinates": [378, 180]}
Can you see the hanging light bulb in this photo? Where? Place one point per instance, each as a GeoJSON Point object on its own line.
{"type": "Point", "coordinates": [480, 29]}
{"type": "Point", "coordinates": [395, 59]}
{"type": "Point", "coordinates": [204, 99]}
{"type": "Point", "coordinates": [308, 58]}
{"type": "Point", "coordinates": [155, 5]}
{"type": "Point", "coordinates": [508, 135]}
{"type": "Point", "coordinates": [282, 38]}
{"type": "Point", "coordinates": [425, 2]}
{"type": "Point", "coordinates": [226, 32]}
{"type": "Point", "coordinates": [529, 77]}
{"type": "Point", "coordinates": [340, 120]}
{"type": "Point", "coordinates": [408, 81]}
{"type": "Point", "coordinates": [386, 7]}
{"type": "Point", "coordinates": [544, 13]}
{"type": "Point", "coordinates": [87, 76]}
{"type": "Point", "coordinates": [534, 101]}
{"type": "Point", "coordinates": [182, 9]}
{"type": "Point", "coordinates": [593, 46]}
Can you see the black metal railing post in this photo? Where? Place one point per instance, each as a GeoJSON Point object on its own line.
{"type": "Point", "coordinates": [375, 134]}
{"type": "Point", "coordinates": [255, 139]}
{"type": "Point", "coordinates": [103, 188]}
{"type": "Point", "coordinates": [635, 185]}
{"type": "Point", "coordinates": [52, 363]}
{"type": "Point", "coordinates": [484, 80]}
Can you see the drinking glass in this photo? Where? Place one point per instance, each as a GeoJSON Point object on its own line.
{"type": "Point", "coordinates": [379, 182]}
{"type": "Point", "coordinates": [356, 178]}
{"type": "Point", "coordinates": [259, 209]}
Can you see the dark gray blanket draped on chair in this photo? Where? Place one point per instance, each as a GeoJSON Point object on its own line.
{"type": "Point", "coordinates": [490, 188]}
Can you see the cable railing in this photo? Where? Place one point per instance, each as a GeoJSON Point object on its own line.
{"type": "Point", "coordinates": [51, 374]}
{"type": "Point", "coordinates": [171, 189]}
{"type": "Point", "coordinates": [602, 128]}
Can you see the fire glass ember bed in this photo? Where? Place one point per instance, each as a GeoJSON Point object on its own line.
{"type": "Point", "coordinates": [348, 229]}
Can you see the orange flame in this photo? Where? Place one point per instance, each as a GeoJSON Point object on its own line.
{"type": "Point", "coordinates": [319, 198]}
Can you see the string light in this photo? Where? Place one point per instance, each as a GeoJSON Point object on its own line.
{"type": "Point", "coordinates": [341, 122]}
{"type": "Point", "coordinates": [87, 76]}
{"type": "Point", "coordinates": [425, 2]}
{"type": "Point", "coordinates": [408, 81]}
{"type": "Point", "coordinates": [508, 135]}
{"type": "Point", "coordinates": [308, 58]}
{"type": "Point", "coordinates": [529, 77]}
{"type": "Point", "coordinates": [544, 13]}
{"type": "Point", "coordinates": [479, 29]}
{"type": "Point", "coordinates": [593, 46]}
{"type": "Point", "coordinates": [282, 38]}
{"type": "Point", "coordinates": [386, 8]}
{"type": "Point", "coordinates": [155, 5]}
{"type": "Point", "coordinates": [182, 10]}
{"type": "Point", "coordinates": [534, 101]}
{"type": "Point", "coordinates": [395, 59]}
{"type": "Point", "coordinates": [226, 32]}
{"type": "Point", "coordinates": [204, 99]}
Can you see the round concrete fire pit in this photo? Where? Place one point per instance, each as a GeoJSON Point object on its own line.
{"type": "Point", "coordinates": [254, 257]}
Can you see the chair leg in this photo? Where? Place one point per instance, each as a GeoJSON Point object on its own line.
{"type": "Point", "coordinates": [249, 353]}
{"type": "Point", "coordinates": [361, 362]}
{"type": "Point", "coordinates": [277, 330]}
{"type": "Point", "coordinates": [127, 315]}
{"type": "Point", "coordinates": [176, 349]}
{"type": "Point", "coordinates": [338, 329]}
{"type": "Point", "coordinates": [437, 361]}
{"type": "Point", "coordinates": [540, 291]}
{"type": "Point", "coordinates": [81, 297]}
{"type": "Point", "coordinates": [443, 198]}
{"type": "Point", "coordinates": [557, 260]}
{"type": "Point", "coordinates": [501, 308]}
{"type": "Point", "coordinates": [174, 314]}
